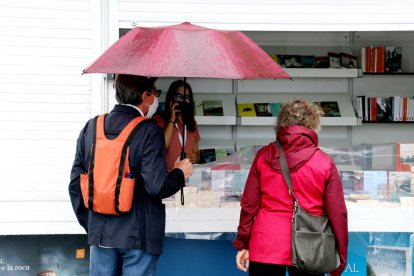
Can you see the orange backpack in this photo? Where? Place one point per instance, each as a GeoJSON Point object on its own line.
{"type": "Point", "coordinates": [108, 187]}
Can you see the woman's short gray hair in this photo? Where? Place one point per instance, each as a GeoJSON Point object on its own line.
{"type": "Point", "coordinates": [299, 112]}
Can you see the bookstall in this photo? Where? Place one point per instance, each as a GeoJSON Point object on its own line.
{"type": "Point", "coordinates": [339, 59]}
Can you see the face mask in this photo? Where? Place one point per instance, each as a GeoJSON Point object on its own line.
{"type": "Point", "coordinates": [152, 108]}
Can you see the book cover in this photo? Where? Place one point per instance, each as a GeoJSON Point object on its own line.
{"type": "Point", "coordinates": [393, 59]}
{"type": "Point", "coordinates": [308, 61]}
{"type": "Point", "coordinates": [246, 110]}
{"type": "Point", "coordinates": [384, 109]}
{"type": "Point", "coordinates": [213, 108]}
{"type": "Point", "coordinates": [389, 261]}
{"type": "Point", "coordinates": [207, 155]}
{"type": "Point", "coordinates": [375, 183]}
{"type": "Point", "coordinates": [322, 62]}
{"type": "Point", "coordinates": [359, 181]}
{"type": "Point", "coordinates": [292, 61]}
{"type": "Point", "coordinates": [349, 61]}
{"type": "Point", "coordinates": [399, 184]}
{"type": "Point", "coordinates": [263, 109]}
{"type": "Point", "coordinates": [347, 180]}
{"type": "Point", "coordinates": [334, 60]}
{"type": "Point", "coordinates": [240, 177]}
{"type": "Point", "coordinates": [331, 109]}
{"type": "Point", "coordinates": [407, 153]}
{"type": "Point", "coordinates": [382, 157]}
{"type": "Point", "coordinates": [275, 108]}
{"type": "Point", "coordinates": [198, 108]}
{"type": "Point", "coordinates": [221, 154]}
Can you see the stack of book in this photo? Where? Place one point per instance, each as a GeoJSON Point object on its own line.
{"type": "Point", "coordinates": [385, 109]}
{"type": "Point", "coordinates": [381, 59]}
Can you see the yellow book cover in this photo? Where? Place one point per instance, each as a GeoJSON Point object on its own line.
{"type": "Point", "coordinates": [246, 110]}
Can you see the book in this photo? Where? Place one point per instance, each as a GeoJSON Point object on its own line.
{"type": "Point", "coordinates": [375, 183]}
{"type": "Point", "coordinates": [263, 109]}
{"type": "Point", "coordinates": [213, 108]}
{"type": "Point", "coordinates": [406, 153]}
{"type": "Point", "coordinates": [207, 155]}
{"type": "Point", "coordinates": [393, 59]}
{"type": "Point", "coordinates": [384, 109]}
{"type": "Point", "coordinates": [382, 157]}
{"type": "Point", "coordinates": [347, 180]}
{"type": "Point", "coordinates": [198, 108]}
{"type": "Point", "coordinates": [399, 184]}
{"type": "Point", "coordinates": [334, 60]}
{"type": "Point", "coordinates": [308, 61]}
{"type": "Point", "coordinates": [246, 110]}
{"type": "Point", "coordinates": [358, 180]}
{"type": "Point", "coordinates": [331, 109]}
{"type": "Point", "coordinates": [349, 61]}
{"type": "Point", "coordinates": [240, 178]}
{"type": "Point", "coordinates": [275, 108]}
{"type": "Point", "coordinates": [322, 62]}
{"type": "Point", "coordinates": [221, 154]}
{"type": "Point", "coordinates": [389, 260]}
{"type": "Point", "coordinates": [292, 61]}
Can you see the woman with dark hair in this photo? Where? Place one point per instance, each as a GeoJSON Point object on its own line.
{"type": "Point", "coordinates": [264, 237]}
{"type": "Point", "coordinates": [178, 119]}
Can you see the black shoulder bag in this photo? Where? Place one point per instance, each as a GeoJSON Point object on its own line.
{"type": "Point", "coordinates": [313, 242]}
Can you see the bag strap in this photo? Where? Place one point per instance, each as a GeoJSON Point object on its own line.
{"type": "Point", "coordinates": [92, 163]}
{"type": "Point", "coordinates": [285, 170]}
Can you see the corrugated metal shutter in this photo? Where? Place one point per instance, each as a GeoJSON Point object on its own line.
{"type": "Point", "coordinates": [270, 15]}
{"type": "Point", "coordinates": [44, 100]}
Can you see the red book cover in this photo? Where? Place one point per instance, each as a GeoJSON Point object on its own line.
{"type": "Point", "coordinates": [373, 109]}
{"type": "Point", "coordinates": [367, 60]}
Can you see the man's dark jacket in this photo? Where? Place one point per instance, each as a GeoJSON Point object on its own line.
{"type": "Point", "coordinates": [144, 226]}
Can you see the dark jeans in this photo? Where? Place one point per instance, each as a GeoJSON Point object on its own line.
{"type": "Point", "coordinates": [125, 262]}
{"type": "Point", "coordinates": [262, 269]}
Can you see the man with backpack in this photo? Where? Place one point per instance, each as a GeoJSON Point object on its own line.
{"type": "Point", "coordinates": [119, 178]}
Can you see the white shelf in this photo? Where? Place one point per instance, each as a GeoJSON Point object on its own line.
{"type": "Point", "coordinates": [229, 109]}
{"type": "Point", "coordinates": [323, 73]}
{"type": "Point", "coordinates": [215, 143]}
{"type": "Point", "coordinates": [215, 120]}
{"type": "Point", "coordinates": [348, 117]}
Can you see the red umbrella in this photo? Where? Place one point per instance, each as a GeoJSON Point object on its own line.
{"type": "Point", "coordinates": [187, 50]}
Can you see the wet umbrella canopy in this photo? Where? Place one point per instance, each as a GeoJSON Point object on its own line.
{"type": "Point", "coordinates": [187, 50]}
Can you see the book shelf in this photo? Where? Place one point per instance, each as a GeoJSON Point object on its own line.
{"type": "Point", "coordinates": [348, 117]}
{"type": "Point", "coordinates": [323, 73]}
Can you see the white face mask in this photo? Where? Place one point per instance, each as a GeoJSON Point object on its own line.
{"type": "Point", "coordinates": [152, 108]}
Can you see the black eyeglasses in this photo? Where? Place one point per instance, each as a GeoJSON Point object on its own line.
{"type": "Point", "coordinates": [156, 92]}
{"type": "Point", "coordinates": [180, 97]}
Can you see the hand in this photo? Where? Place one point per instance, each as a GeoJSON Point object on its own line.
{"type": "Point", "coordinates": [174, 111]}
{"type": "Point", "coordinates": [242, 260]}
{"type": "Point", "coordinates": [193, 156]}
{"type": "Point", "coordinates": [184, 165]}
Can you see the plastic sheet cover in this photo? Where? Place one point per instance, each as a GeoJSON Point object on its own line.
{"type": "Point", "coordinates": [378, 184]}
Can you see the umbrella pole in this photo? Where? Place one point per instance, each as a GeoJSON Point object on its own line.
{"type": "Point", "coordinates": [182, 155]}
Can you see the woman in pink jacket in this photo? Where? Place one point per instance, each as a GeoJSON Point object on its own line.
{"type": "Point", "coordinates": [264, 232]}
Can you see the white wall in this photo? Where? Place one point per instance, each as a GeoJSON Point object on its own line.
{"type": "Point", "coordinates": [44, 100]}
{"type": "Point", "coordinates": [270, 15]}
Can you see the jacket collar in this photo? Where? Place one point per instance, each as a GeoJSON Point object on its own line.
{"type": "Point", "coordinates": [126, 109]}
{"type": "Point", "coordinates": [299, 144]}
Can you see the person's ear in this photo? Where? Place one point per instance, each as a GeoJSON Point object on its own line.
{"type": "Point", "coordinates": [144, 96]}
